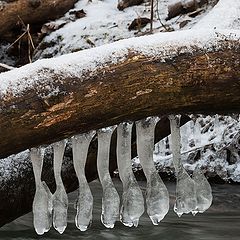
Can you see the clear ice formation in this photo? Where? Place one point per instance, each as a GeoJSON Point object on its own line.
{"type": "Point", "coordinates": [84, 204]}
{"type": "Point", "coordinates": [203, 188]}
{"type": "Point", "coordinates": [197, 133]}
{"type": "Point", "coordinates": [42, 203]}
{"type": "Point", "coordinates": [132, 199]}
{"type": "Point", "coordinates": [60, 198]}
{"type": "Point", "coordinates": [186, 200]}
{"type": "Point", "coordinates": [157, 198]}
{"type": "Point", "coordinates": [110, 199]}
{"type": "Point", "coordinates": [203, 191]}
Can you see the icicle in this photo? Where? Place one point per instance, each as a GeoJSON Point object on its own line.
{"type": "Point", "coordinates": [110, 200]}
{"type": "Point", "coordinates": [132, 199]}
{"type": "Point", "coordinates": [42, 203]}
{"type": "Point", "coordinates": [157, 198]}
{"type": "Point", "coordinates": [216, 123]}
{"type": "Point", "coordinates": [84, 204]}
{"type": "Point", "coordinates": [203, 188]}
{"type": "Point", "coordinates": [203, 191]}
{"type": "Point", "coordinates": [184, 137]}
{"type": "Point", "coordinates": [197, 133]}
{"type": "Point", "coordinates": [60, 198]}
{"type": "Point", "coordinates": [185, 189]}
{"type": "Point", "coordinates": [162, 148]}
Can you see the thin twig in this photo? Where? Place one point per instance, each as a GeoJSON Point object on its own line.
{"type": "Point", "coordinates": [30, 37]}
{"type": "Point", "coordinates": [159, 18]}
{"type": "Point", "coordinates": [3, 65]}
{"type": "Point", "coordinates": [17, 40]}
{"type": "Point", "coordinates": [24, 25]}
{"type": "Point", "coordinates": [29, 51]}
{"type": "Point", "coordinates": [151, 18]}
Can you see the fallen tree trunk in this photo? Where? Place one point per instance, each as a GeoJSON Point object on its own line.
{"type": "Point", "coordinates": [31, 11]}
{"type": "Point", "coordinates": [195, 72]}
{"type": "Point", "coordinates": [17, 186]}
{"type": "Point", "coordinates": [183, 7]}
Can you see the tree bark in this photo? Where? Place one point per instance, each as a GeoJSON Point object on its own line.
{"type": "Point", "coordinates": [128, 3]}
{"type": "Point", "coordinates": [17, 186]}
{"type": "Point", "coordinates": [31, 11]}
{"type": "Point", "coordinates": [181, 7]}
{"type": "Point", "coordinates": [57, 98]}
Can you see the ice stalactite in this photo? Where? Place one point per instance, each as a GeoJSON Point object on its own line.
{"type": "Point", "coordinates": [157, 198]}
{"type": "Point", "coordinates": [84, 204]}
{"type": "Point", "coordinates": [132, 199]}
{"type": "Point", "coordinates": [42, 203]}
{"type": "Point", "coordinates": [216, 123]}
{"type": "Point", "coordinates": [162, 148]}
{"type": "Point", "coordinates": [197, 133]}
{"type": "Point", "coordinates": [185, 189]}
{"type": "Point", "coordinates": [203, 188]}
{"type": "Point", "coordinates": [60, 198]}
{"type": "Point", "coordinates": [184, 132]}
{"type": "Point", "coordinates": [216, 129]}
{"type": "Point", "coordinates": [110, 199]}
{"type": "Point", "coordinates": [203, 191]}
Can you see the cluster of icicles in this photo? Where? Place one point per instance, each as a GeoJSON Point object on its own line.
{"type": "Point", "coordinates": [193, 194]}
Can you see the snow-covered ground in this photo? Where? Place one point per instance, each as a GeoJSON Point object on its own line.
{"type": "Point", "coordinates": [211, 143]}
{"type": "Point", "coordinates": [104, 23]}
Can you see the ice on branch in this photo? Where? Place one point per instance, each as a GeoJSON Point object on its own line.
{"type": "Point", "coordinates": [203, 191]}
{"type": "Point", "coordinates": [157, 198]}
{"type": "Point", "coordinates": [42, 203]}
{"type": "Point", "coordinates": [202, 186]}
{"type": "Point", "coordinates": [185, 189]}
{"type": "Point", "coordinates": [110, 199]}
{"type": "Point", "coordinates": [84, 204]}
{"type": "Point", "coordinates": [132, 199]}
{"type": "Point", "coordinates": [60, 198]}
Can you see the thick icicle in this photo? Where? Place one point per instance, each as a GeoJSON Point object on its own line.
{"type": "Point", "coordinates": [60, 198]}
{"type": "Point", "coordinates": [185, 189]}
{"type": "Point", "coordinates": [84, 204]}
{"type": "Point", "coordinates": [110, 200]}
{"type": "Point", "coordinates": [157, 198]}
{"type": "Point", "coordinates": [203, 191]}
{"type": "Point", "coordinates": [132, 199]}
{"type": "Point", "coordinates": [203, 188]}
{"type": "Point", "coordinates": [42, 203]}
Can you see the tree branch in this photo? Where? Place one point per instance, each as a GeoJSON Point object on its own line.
{"type": "Point", "coordinates": [196, 72]}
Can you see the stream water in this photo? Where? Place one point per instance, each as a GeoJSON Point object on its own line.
{"type": "Point", "coordinates": [221, 221]}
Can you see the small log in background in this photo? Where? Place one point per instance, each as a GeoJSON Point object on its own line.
{"type": "Point", "coordinates": [31, 11]}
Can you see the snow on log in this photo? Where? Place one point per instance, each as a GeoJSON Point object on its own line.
{"type": "Point", "coordinates": [190, 71]}
{"type": "Point", "coordinates": [224, 15]}
{"type": "Point", "coordinates": [31, 11]}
